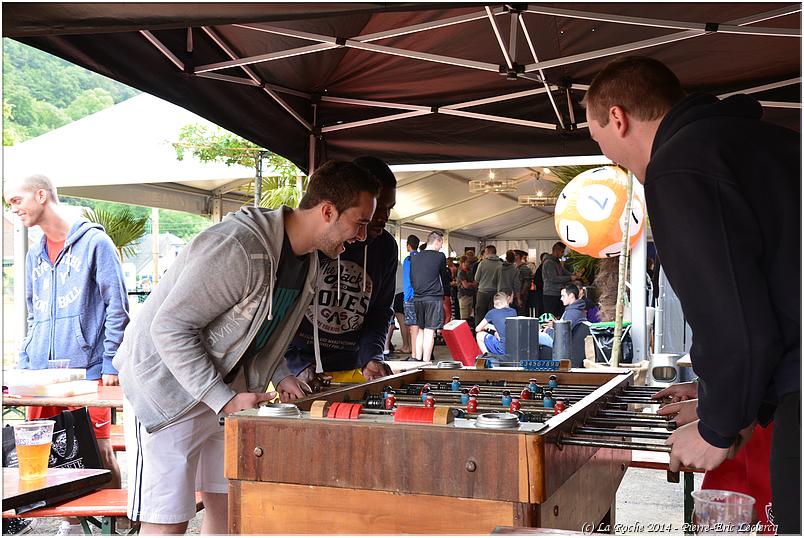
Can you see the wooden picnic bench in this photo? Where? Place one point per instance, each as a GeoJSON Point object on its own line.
{"type": "Point", "coordinates": [102, 509]}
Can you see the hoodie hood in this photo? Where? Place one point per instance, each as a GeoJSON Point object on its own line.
{"type": "Point", "coordinates": [698, 107]}
{"type": "Point", "coordinates": [77, 231]}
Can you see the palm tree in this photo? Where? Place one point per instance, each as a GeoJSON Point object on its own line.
{"type": "Point", "coordinates": [605, 272]}
{"type": "Point", "coordinates": [124, 229]}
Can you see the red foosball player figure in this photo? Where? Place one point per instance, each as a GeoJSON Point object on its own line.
{"type": "Point", "coordinates": [471, 407]}
{"type": "Point", "coordinates": [390, 400]}
{"type": "Point", "coordinates": [429, 402]}
{"type": "Point", "coordinates": [515, 405]}
{"type": "Point", "coordinates": [525, 394]}
{"type": "Point", "coordinates": [559, 407]}
{"type": "Point", "coordinates": [474, 391]}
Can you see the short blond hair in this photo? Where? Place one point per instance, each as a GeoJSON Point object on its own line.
{"type": "Point", "coordinates": [38, 181]}
{"type": "Point", "coordinates": [501, 299]}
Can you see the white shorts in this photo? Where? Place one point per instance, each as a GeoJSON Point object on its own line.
{"type": "Point", "coordinates": [167, 467]}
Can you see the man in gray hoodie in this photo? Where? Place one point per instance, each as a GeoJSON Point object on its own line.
{"type": "Point", "coordinates": [486, 281]}
{"type": "Point", "coordinates": [506, 274]}
{"type": "Point", "coordinates": [212, 335]}
{"type": "Point", "coordinates": [555, 277]}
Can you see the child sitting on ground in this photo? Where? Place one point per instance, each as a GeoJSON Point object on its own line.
{"type": "Point", "coordinates": [495, 320]}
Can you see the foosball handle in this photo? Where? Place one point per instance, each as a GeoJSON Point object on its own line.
{"type": "Point", "coordinates": [674, 477]}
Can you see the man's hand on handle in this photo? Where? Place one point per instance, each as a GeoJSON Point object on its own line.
{"type": "Point", "coordinates": [376, 369]}
{"type": "Point", "coordinates": [682, 412]}
{"type": "Point", "coordinates": [292, 388]}
{"type": "Point", "coordinates": [678, 392]}
{"type": "Point", "coordinates": [247, 400]}
{"type": "Point", "coordinates": [690, 450]}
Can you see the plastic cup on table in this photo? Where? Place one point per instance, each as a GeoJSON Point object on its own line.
{"type": "Point", "coordinates": [717, 511]}
{"type": "Point", "coordinates": [33, 447]}
{"type": "Point", "coordinates": [58, 363]}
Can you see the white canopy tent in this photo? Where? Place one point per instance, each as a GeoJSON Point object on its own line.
{"type": "Point", "coordinates": [124, 154]}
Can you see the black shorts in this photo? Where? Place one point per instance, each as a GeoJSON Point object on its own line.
{"type": "Point", "coordinates": [399, 303]}
{"type": "Point", "coordinates": [410, 314]}
{"type": "Point", "coordinates": [429, 314]}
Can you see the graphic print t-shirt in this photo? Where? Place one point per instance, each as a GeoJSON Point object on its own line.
{"type": "Point", "coordinates": [290, 277]}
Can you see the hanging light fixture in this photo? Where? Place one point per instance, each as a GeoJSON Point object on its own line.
{"type": "Point", "coordinates": [492, 184]}
{"type": "Point", "coordinates": [541, 195]}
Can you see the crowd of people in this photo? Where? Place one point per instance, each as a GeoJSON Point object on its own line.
{"type": "Point", "coordinates": [293, 297]}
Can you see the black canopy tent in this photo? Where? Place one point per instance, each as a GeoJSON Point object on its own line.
{"type": "Point", "coordinates": [415, 82]}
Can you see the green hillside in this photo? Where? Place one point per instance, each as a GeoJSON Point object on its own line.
{"type": "Point", "coordinates": [42, 92]}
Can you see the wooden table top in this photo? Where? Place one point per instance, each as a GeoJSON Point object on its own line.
{"type": "Point", "coordinates": [59, 485]}
{"type": "Point", "coordinates": [105, 397]}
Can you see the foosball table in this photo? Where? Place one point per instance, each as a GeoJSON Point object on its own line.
{"type": "Point", "coordinates": [439, 451]}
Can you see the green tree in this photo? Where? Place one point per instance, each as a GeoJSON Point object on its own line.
{"type": "Point", "coordinates": [179, 223]}
{"type": "Point", "coordinates": [45, 92]}
{"type": "Point", "coordinates": [88, 102]}
{"type": "Point", "coordinates": [124, 228]}
{"type": "Point", "coordinates": [46, 118]}
{"type": "Point", "coordinates": [280, 186]}
{"type": "Point", "coordinates": [10, 134]}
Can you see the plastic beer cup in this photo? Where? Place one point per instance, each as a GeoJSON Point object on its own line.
{"type": "Point", "coordinates": [33, 447]}
{"type": "Point", "coordinates": [722, 512]}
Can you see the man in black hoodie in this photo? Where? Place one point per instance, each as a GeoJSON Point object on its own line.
{"type": "Point", "coordinates": [354, 299]}
{"type": "Point", "coordinates": [723, 193]}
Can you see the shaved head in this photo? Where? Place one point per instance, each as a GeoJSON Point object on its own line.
{"type": "Point", "coordinates": [36, 182]}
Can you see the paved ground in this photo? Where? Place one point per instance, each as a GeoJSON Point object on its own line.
{"type": "Point", "coordinates": [645, 501]}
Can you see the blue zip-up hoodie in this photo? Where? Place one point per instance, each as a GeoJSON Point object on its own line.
{"type": "Point", "coordinates": [77, 307]}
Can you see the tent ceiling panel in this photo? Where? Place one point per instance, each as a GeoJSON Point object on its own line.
{"type": "Point", "coordinates": [163, 196]}
{"type": "Point", "coordinates": [438, 67]}
{"type": "Point", "coordinates": [512, 221]}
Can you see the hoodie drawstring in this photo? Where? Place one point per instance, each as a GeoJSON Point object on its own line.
{"type": "Point", "coordinates": [319, 367]}
{"type": "Point", "coordinates": [271, 291]}
{"type": "Point", "coordinates": [338, 283]}
{"type": "Point", "coordinates": [365, 256]}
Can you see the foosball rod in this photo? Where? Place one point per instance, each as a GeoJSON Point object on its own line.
{"type": "Point", "coordinates": [488, 398]}
{"type": "Point", "coordinates": [576, 441]}
{"type": "Point", "coordinates": [652, 434]}
{"type": "Point", "coordinates": [496, 391]}
{"type": "Point", "coordinates": [482, 402]}
{"type": "Point", "coordinates": [615, 413]}
{"type": "Point", "coordinates": [632, 422]}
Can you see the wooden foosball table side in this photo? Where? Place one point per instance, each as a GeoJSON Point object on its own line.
{"type": "Point", "coordinates": [342, 477]}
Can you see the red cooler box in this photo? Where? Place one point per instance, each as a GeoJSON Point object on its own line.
{"type": "Point", "coordinates": [461, 342]}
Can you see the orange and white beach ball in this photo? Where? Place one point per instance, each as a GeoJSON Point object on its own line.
{"type": "Point", "coordinates": [590, 212]}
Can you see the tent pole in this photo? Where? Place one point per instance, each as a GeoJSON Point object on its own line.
{"type": "Point", "coordinates": [258, 179]}
{"type": "Point", "coordinates": [639, 322]}
{"type": "Point", "coordinates": [20, 252]}
{"type": "Point", "coordinates": [311, 164]}
{"type": "Point", "coordinates": [311, 158]}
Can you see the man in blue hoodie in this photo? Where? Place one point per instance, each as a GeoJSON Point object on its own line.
{"type": "Point", "coordinates": [723, 239]}
{"type": "Point", "coordinates": [76, 298]}
{"type": "Point", "coordinates": [354, 299]}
